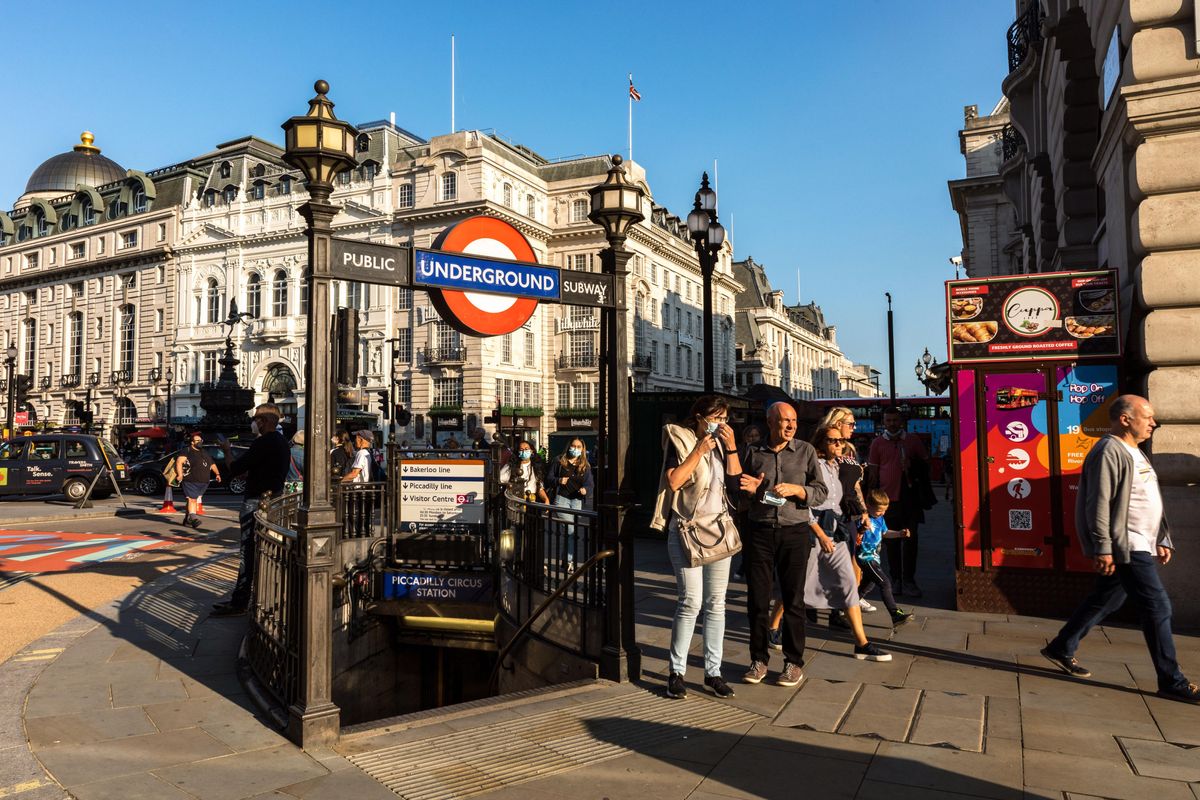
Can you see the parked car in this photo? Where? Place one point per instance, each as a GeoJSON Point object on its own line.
{"type": "Point", "coordinates": [54, 463]}
{"type": "Point", "coordinates": [147, 476]}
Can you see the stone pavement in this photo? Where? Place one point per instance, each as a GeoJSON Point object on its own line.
{"type": "Point", "coordinates": [141, 700]}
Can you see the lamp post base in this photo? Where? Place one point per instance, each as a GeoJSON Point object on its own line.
{"type": "Point", "coordinates": [621, 665]}
{"type": "Point", "coordinates": [314, 728]}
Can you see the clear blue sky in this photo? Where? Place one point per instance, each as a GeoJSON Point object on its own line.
{"type": "Point", "coordinates": [835, 124]}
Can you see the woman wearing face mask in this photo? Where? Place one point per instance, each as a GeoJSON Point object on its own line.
{"type": "Point", "coordinates": [570, 479]}
{"type": "Point", "coordinates": [700, 469]}
{"type": "Point", "coordinates": [525, 479]}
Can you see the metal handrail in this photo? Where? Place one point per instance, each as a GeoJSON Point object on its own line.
{"type": "Point", "coordinates": [518, 636]}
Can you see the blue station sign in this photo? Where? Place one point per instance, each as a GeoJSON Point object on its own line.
{"type": "Point", "coordinates": [446, 587]}
{"type": "Point", "coordinates": [465, 273]}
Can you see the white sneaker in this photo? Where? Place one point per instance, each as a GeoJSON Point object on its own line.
{"type": "Point", "coordinates": [865, 606]}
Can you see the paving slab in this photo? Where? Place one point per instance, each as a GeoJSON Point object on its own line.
{"type": "Point", "coordinates": [352, 783]}
{"type": "Point", "coordinates": [1179, 722]}
{"type": "Point", "coordinates": [954, 732]}
{"type": "Point", "coordinates": [1071, 696]}
{"type": "Point", "coordinates": [878, 790]}
{"type": "Point", "coordinates": [882, 712]}
{"type": "Point", "coordinates": [85, 763]}
{"type": "Point", "coordinates": [1003, 718]}
{"type": "Point", "coordinates": [751, 771]}
{"type": "Point", "coordinates": [995, 773]}
{"type": "Point", "coordinates": [146, 692]}
{"type": "Point", "coordinates": [826, 745]}
{"type": "Point", "coordinates": [1059, 732]}
{"type": "Point", "coordinates": [1108, 778]}
{"type": "Point", "coordinates": [87, 726]}
{"type": "Point", "coordinates": [938, 675]}
{"type": "Point", "coordinates": [820, 705]}
{"type": "Point", "coordinates": [244, 774]}
{"type": "Point", "coordinates": [1159, 759]}
{"type": "Point", "coordinates": [837, 663]}
{"type": "Point", "coordinates": [140, 786]}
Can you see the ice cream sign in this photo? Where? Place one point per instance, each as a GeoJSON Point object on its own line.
{"type": "Point", "coordinates": [1031, 311]}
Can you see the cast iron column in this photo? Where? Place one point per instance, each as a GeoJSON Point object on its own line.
{"type": "Point", "coordinates": [891, 351]}
{"type": "Point", "coordinates": [621, 658]}
{"type": "Point", "coordinates": [313, 718]}
{"type": "Point", "coordinates": [11, 414]}
{"type": "Point", "coordinates": [708, 262]}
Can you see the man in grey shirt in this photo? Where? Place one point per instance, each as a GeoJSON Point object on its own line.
{"type": "Point", "coordinates": [1121, 526]}
{"type": "Point", "coordinates": [783, 480]}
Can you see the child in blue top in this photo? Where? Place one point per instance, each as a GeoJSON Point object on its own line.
{"type": "Point", "coordinates": [870, 538]}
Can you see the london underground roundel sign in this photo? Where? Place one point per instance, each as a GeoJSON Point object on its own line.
{"type": "Point", "coordinates": [479, 313]}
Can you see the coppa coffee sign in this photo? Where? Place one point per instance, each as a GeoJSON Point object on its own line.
{"type": "Point", "coordinates": [1031, 311]}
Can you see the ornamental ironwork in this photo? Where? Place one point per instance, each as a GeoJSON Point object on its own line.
{"type": "Point", "coordinates": [121, 376]}
{"type": "Point", "coordinates": [69, 381]}
{"type": "Point", "coordinates": [45, 382]}
{"type": "Point", "coordinates": [1023, 34]}
{"type": "Point", "coordinates": [444, 355]}
{"type": "Point", "coordinates": [155, 374]}
{"type": "Point", "coordinates": [94, 379]}
{"type": "Point", "coordinates": [1012, 143]}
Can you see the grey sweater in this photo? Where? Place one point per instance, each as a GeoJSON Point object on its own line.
{"type": "Point", "coordinates": [1102, 505]}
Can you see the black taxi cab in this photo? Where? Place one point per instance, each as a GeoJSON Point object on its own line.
{"type": "Point", "coordinates": [58, 463]}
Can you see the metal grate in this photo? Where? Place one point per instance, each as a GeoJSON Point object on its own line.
{"type": "Point", "coordinates": [479, 760]}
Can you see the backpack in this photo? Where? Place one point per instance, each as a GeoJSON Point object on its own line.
{"type": "Point", "coordinates": [377, 473]}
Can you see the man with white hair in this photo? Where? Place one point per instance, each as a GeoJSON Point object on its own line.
{"type": "Point", "coordinates": [1122, 528]}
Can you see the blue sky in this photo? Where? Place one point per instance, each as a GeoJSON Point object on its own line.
{"type": "Point", "coordinates": [835, 124]}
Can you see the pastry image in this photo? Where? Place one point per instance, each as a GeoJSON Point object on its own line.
{"type": "Point", "coordinates": [1087, 327]}
{"type": "Point", "coordinates": [1098, 300]}
{"type": "Point", "coordinates": [973, 332]}
{"type": "Point", "coordinates": [966, 308]}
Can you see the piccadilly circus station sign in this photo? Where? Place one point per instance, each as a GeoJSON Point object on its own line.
{"type": "Point", "coordinates": [481, 274]}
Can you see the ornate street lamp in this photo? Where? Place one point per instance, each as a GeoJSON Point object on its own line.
{"type": "Point", "coordinates": [708, 236]}
{"type": "Point", "coordinates": [170, 381]}
{"type": "Point", "coordinates": [616, 206]}
{"type": "Point", "coordinates": [924, 369]}
{"type": "Point", "coordinates": [321, 146]}
{"type": "Point", "coordinates": [10, 364]}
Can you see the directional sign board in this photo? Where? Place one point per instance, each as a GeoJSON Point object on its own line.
{"type": "Point", "coordinates": [442, 270]}
{"type": "Point", "coordinates": [441, 490]}
{"type": "Point", "coordinates": [370, 263]}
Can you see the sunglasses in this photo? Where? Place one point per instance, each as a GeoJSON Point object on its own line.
{"type": "Point", "coordinates": [835, 440]}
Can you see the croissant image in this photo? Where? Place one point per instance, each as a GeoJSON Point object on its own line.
{"type": "Point", "coordinates": [974, 332]}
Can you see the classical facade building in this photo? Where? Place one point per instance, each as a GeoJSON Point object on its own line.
{"type": "Point", "coordinates": [992, 243]}
{"type": "Point", "coordinates": [222, 230]}
{"type": "Point", "coordinates": [1101, 170]}
{"type": "Point", "coordinates": [791, 347]}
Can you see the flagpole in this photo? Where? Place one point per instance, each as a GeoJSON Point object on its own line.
{"type": "Point", "coordinates": [452, 126]}
{"type": "Point", "coordinates": [631, 120]}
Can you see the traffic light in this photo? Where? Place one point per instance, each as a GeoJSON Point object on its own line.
{"type": "Point", "coordinates": [403, 415]}
{"type": "Point", "coordinates": [345, 346]}
{"type": "Point", "coordinates": [494, 419]}
{"type": "Point", "coordinates": [21, 387]}
{"type": "Point", "coordinates": [384, 406]}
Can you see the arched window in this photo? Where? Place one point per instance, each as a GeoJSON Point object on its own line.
{"type": "Point", "coordinates": [126, 411]}
{"type": "Point", "coordinates": [404, 195]}
{"type": "Point", "coordinates": [279, 294]}
{"type": "Point", "coordinates": [210, 198]}
{"type": "Point", "coordinates": [75, 343]}
{"type": "Point", "coordinates": [114, 208]}
{"type": "Point", "coordinates": [125, 354]}
{"type": "Point", "coordinates": [362, 144]}
{"type": "Point", "coordinates": [67, 222]}
{"type": "Point", "coordinates": [450, 186]}
{"type": "Point", "coordinates": [508, 195]}
{"type": "Point", "coordinates": [43, 227]}
{"type": "Point", "coordinates": [139, 201]}
{"type": "Point", "coordinates": [259, 190]}
{"type": "Point", "coordinates": [530, 206]}
{"type": "Point", "coordinates": [260, 170]}
{"type": "Point", "coordinates": [230, 194]}
{"type": "Point", "coordinates": [87, 214]}
{"type": "Point", "coordinates": [254, 296]}
{"type": "Point", "coordinates": [285, 185]}
{"type": "Point", "coordinates": [214, 302]}
{"type": "Point", "coordinates": [368, 171]}
{"type": "Point", "coordinates": [226, 169]}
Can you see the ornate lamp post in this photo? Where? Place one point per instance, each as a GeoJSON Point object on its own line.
{"type": "Point", "coordinates": [170, 380]}
{"type": "Point", "coordinates": [10, 365]}
{"type": "Point", "coordinates": [616, 206]}
{"type": "Point", "coordinates": [924, 368]}
{"type": "Point", "coordinates": [708, 236]}
{"type": "Point", "coordinates": [321, 146]}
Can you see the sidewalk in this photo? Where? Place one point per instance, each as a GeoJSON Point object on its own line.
{"type": "Point", "coordinates": [58, 509]}
{"type": "Point", "coordinates": [142, 701]}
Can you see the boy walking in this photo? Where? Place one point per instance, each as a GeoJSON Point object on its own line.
{"type": "Point", "coordinates": [870, 539]}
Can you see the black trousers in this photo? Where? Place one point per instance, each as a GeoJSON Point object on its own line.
{"type": "Point", "coordinates": [902, 553]}
{"type": "Point", "coordinates": [872, 576]}
{"type": "Point", "coordinates": [767, 551]}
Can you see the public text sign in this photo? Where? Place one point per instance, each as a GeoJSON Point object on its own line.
{"type": "Point", "coordinates": [370, 263]}
{"type": "Point", "coordinates": [1057, 315]}
{"type": "Point", "coordinates": [441, 491]}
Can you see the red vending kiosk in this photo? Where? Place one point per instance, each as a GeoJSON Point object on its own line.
{"type": "Point", "coordinates": [1035, 365]}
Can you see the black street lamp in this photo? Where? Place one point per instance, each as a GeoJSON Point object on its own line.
{"type": "Point", "coordinates": [891, 350]}
{"type": "Point", "coordinates": [616, 207]}
{"type": "Point", "coordinates": [10, 365]}
{"type": "Point", "coordinates": [708, 236]}
{"type": "Point", "coordinates": [170, 380]}
{"type": "Point", "coordinates": [321, 146]}
{"type": "Point", "coordinates": [924, 369]}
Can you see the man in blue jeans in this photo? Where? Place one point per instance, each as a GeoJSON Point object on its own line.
{"type": "Point", "coordinates": [266, 464]}
{"type": "Point", "coordinates": [1122, 528]}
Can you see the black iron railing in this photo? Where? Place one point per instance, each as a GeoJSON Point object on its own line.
{"type": "Point", "coordinates": [547, 542]}
{"type": "Point", "coordinates": [1023, 35]}
{"type": "Point", "coordinates": [578, 360]}
{"type": "Point", "coordinates": [361, 509]}
{"type": "Point", "coordinates": [273, 644]}
{"type": "Point", "coordinates": [70, 381]}
{"type": "Point", "coordinates": [121, 376]}
{"type": "Point", "coordinates": [643, 363]}
{"type": "Point", "coordinates": [443, 355]}
{"type": "Point", "coordinates": [727, 379]}
{"type": "Point", "coordinates": [45, 382]}
{"type": "Point", "coordinates": [1012, 143]}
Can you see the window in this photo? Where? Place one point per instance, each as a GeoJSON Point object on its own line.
{"type": "Point", "coordinates": [75, 343]}
{"type": "Point", "coordinates": [447, 338]}
{"type": "Point", "coordinates": [362, 144]}
{"type": "Point", "coordinates": [31, 261]}
{"type": "Point", "coordinates": [115, 209]}
{"type": "Point", "coordinates": [508, 195]}
{"type": "Point", "coordinates": [162, 231]}
{"type": "Point", "coordinates": [160, 274]}
{"type": "Point", "coordinates": [404, 195]}
{"type": "Point", "coordinates": [404, 391]}
{"type": "Point", "coordinates": [99, 330]}
{"type": "Point", "coordinates": [579, 211]}
{"type": "Point", "coordinates": [209, 373]}
{"type": "Point", "coordinates": [678, 361]}
{"type": "Point", "coordinates": [581, 395]}
{"type": "Point", "coordinates": [578, 261]}
{"type": "Point", "coordinates": [279, 294]}
{"type": "Point", "coordinates": [43, 227]}
{"type": "Point", "coordinates": [125, 355]}
{"type": "Point", "coordinates": [583, 348]}
{"type": "Point", "coordinates": [689, 364]}
{"type": "Point", "coordinates": [139, 201]}
{"type": "Point", "coordinates": [214, 302]}
{"type": "Point", "coordinates": [128, 280]}
{"type": "Point", "coordinates": [404, 344]}
{"type": "Point", "coordinates": [450, 186]}
{"type": "Point", "coordinates": [210, 198]}
{"type": "Point", "coordinates": [43, 451]}
{"type": "Point", "coordinates": [303, 297]}
{"type": "Point", "coordinates": [87, 214]}
{"type": "Point", "coordinates": [254, 296]}
{"type": "Point", "coordinates": [29, 364]}
{"type": "Point", "coordinates": [159, 316]}
{"type": "Point", "coordinates": [654, 273]}
{"type": "Point", "coordinates": [100, 246]}
{"type": "Point", "coordinates": [562, 397]}
{"type": "Point", "coordinates": [404, 299]}
{"type": "Point", "coordinates": [226, 169]}
{"type": "Point", "coordinates": [76, 289]}
{"type": "Point", "coordinates": [285, 185]}
{"type": "Point", "coordinates": [530, 349]}
{"type": "Point", "coordinates": [230, 194]}
{"type": "Point", "coordinates": [259, 191]}
{"type": "Point", "coordinates": [530, 206]}
{"type": "Point", "coordinates": [369, 170]}
{"type": "Point", "coordinates": [31, 298]}
{"type": "Point", "coordinates": [654, 365]}
{"type": "Point", "coordinates": [343, 178]}
{"type": "Point", "coordinates": [447, 391]}
{"type": "Point", "coordinates": [506, 348]}
{"type": "Point", "coordinates": [354, 294]}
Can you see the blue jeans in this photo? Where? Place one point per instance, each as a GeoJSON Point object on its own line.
{"type": "Point", "coordinates": [564, 524]}
{"type": "Point", "coordinates": [1137, 579]}
{"type": "Point", "coordinates": [246, 565]}
{"type": "Point", "coordinates": [697, 587]}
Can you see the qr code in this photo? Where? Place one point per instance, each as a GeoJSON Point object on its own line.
{"type": "Point", "coordinates": [1020, 519]}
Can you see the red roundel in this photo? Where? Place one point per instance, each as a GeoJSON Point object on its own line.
{"type": "Point", "coordinates": [476, 313]}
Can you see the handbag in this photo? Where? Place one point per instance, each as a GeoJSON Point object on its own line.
{"type": "Point", "coordinates": [709, 539]}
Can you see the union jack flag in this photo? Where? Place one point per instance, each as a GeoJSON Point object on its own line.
{"type": "Point", "coordinates": [634, 93]}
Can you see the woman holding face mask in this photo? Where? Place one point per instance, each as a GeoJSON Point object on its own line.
{"type": "Point", "coordinates": [700, 469]}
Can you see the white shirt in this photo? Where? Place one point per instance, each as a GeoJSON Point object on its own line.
{"type": "Point", "coordinates": [1145, 505]}
{"type": "Point", "coordinates": [525, 471]}
{"type": "Point", "coordinates": [362, 463]}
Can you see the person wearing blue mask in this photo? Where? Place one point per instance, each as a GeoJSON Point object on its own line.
{"type": "Point", "coordinates": [525, 478]}
{"type": "Point", "coordinates": [570, 478]}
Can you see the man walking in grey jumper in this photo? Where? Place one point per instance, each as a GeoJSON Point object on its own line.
{"type": "Point", "coordinates": [1121, 525]}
